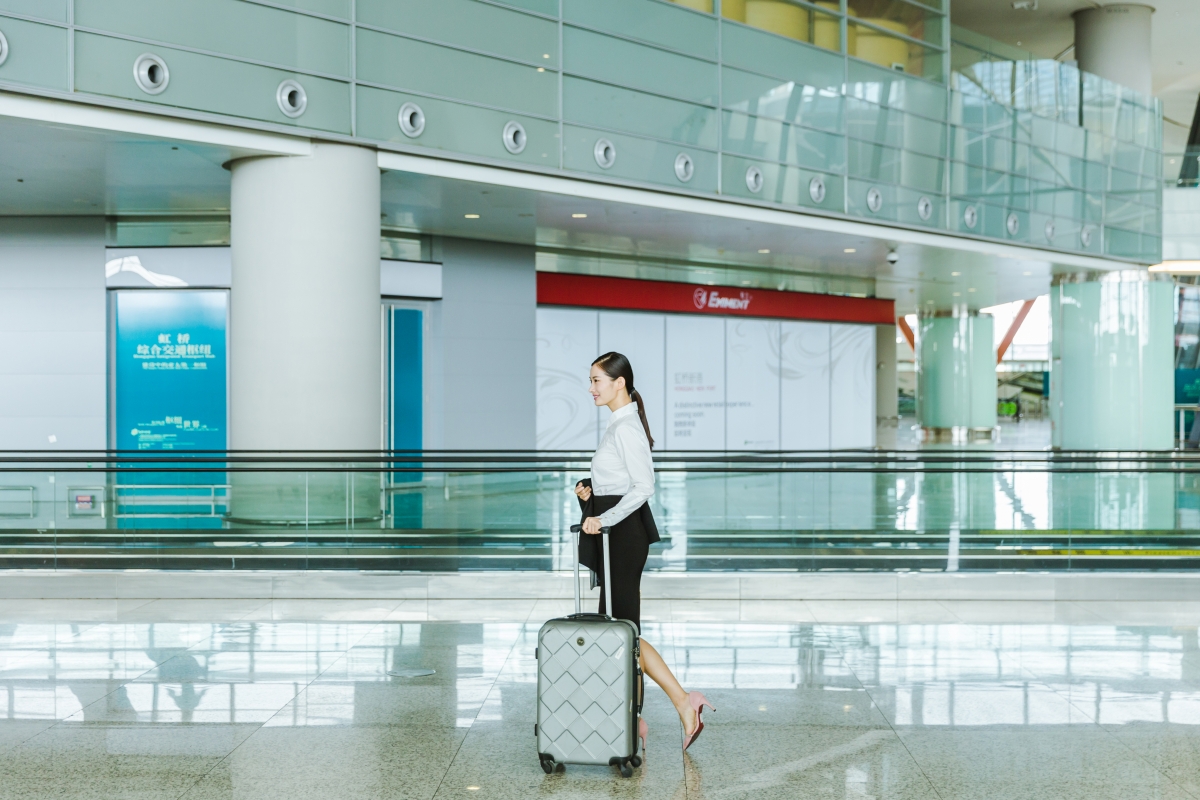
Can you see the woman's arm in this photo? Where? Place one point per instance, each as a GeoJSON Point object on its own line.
{"type": "Point", "coordinates": [635, 452]}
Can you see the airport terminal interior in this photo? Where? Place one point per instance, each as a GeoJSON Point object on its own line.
{"type": "Point", "coordinates": [298, 303]}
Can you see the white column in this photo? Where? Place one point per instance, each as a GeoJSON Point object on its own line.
{"type": "Point", "coordinates": [1113, 42]}
{"type": "Point", "coordinates": [305, 319]}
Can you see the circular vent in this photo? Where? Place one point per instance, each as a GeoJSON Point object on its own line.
{"type": "Point", "coordinates": [684, 168]}
{"type": "Point", "coordinates": [816, 190]}
{"type": "Point", "coordinates": [605, 153]}
{"type": "Point", "coordinates": [514, 137]}
{"type": "Point", "coordinates": [149, 72]}
{"type": "Point", "coordinates": [412, 120]}
{"type": "Point", "coordinates": [1013, 224]}
{"type": "Point", "coordinates": [970, 217]}
{"type": "Point", "coordinates": [754, 179]}
{"type": "Point", "coordinates": [874, 200]}
{"type": "Point", "coordinates": [291, 98]}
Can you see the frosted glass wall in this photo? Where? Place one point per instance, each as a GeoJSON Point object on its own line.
{"type": "Point", "coordinates": [711, 383]}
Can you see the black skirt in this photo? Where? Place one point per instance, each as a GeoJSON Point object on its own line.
{"type": "Point", "coordinates": [628, 546]}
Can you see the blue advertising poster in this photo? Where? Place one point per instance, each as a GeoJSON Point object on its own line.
{"type": "Point", "coordinates": [407, 410]}
{"type": "Point", "coordinates": [171, 370]}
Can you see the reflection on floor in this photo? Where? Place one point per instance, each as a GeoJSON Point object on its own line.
{"type": "Point", "coordinates": [291, 699]}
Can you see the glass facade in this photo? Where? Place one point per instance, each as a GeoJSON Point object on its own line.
{"type": "Point", "coordinates": [872, 109]}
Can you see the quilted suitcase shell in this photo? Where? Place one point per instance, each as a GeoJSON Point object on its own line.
{"type": "Point", "coordinates": [587, 690]}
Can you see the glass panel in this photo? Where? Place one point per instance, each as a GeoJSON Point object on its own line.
{"type": "Point", "coordinates": [878, 46]}
{"type": "Point", "coordinates": [900, 17]}
{"type": "Point", "coordinates": [795, 20]}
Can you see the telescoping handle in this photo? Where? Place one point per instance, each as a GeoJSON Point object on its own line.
{"type": "Point", "coordinates": [578, 531]}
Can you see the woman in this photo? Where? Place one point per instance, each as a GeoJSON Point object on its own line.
{"type": "Point", "coordinates": [616, 496]}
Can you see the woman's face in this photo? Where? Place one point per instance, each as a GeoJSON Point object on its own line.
{"type": "Point", "coordinates": [604, 389]}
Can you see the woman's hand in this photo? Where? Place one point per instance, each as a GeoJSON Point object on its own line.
{"type": "Point", "coordinates": [591, 525]}
{"type": "Point", "coordinates": [584, 493]}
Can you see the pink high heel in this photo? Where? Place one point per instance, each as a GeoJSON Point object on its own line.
{"type": "Point", "coordinates": [697, 702]}
{"type": "Point", "coordinates": [643, 733]}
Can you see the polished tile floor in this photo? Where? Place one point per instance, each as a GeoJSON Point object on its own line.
{"type": "Point", "coordinates": [291, 699]}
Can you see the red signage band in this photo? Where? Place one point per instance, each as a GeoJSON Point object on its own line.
{"type": "Point", "coordinates": [591, 291]}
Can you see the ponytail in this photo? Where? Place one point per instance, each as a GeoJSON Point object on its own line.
{"type": "Point", "coordinates": [637, 398]}
{"type": "Point", "coordinates": [616, 366]}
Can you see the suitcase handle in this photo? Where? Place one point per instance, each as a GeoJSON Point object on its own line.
{"type": "Point", "coordinates": [604, 531]}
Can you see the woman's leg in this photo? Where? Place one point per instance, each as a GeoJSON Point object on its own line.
{"type": "Point", "coordinates": [654, 666]}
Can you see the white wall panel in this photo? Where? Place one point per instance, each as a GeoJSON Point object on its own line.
{"type": "Point", "coordinates": [752, 384]}
{"type": "Point", "coordinates": [53, 312]}
{"type": "Point", "coordinates": [852, 386]}
{"type": "Point", "coordinates": [695, 383]}
{"type": "Point", "coordinates": [640, 338]}
{"type": "Point", "coordinates": [566, 346]}
{"type": "Point", "coordinates": [804, 371]}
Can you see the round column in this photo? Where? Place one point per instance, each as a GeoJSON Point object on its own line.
{"type": "Point", "coordinates": [1112, 361]}
{"type": "Point", "coordinates": [1113, 42]}
{"type": "Point", "coordinates": [305, 335]}
{"type": "Point", "coordinates": [956, 377]}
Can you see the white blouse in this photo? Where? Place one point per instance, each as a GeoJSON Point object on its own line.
{"type": "Point", "coordinates": [622, 465]}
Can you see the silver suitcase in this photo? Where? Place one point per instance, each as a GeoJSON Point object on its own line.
{"type": "Point", "coordinates": [588, 678]}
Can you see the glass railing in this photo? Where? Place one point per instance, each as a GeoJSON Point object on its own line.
{"type": "Point", "coordinates": [453, 511]}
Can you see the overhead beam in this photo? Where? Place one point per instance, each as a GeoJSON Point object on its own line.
{"type": "Point", "coordinates": [1012, 329]}
{"type": "Point", "coordinates": [902, 323]}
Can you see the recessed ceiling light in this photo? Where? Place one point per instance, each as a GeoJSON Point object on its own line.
{"type": "Point", "coordinates": [579, 216]}
{"type": "Point", "coordinates": [971, 289]}
{"type": "Point", "coordinates": [541, 69]}
{"type": "Point", "coordinates": [764, 251]}
{"type": "Point", "coordinates": [1027, 274]}
{"type": "Point", "coordinates": [849, 250]}
{"type": "Point", "coordinates": [955, 274]}
{"type": "Point", "coordinates": [545, 55]}
{"type": "Point", "coordinates": [471, 216]}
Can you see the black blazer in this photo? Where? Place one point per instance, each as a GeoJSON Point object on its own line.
{"type": "Point", "coordinates": [642, 520]}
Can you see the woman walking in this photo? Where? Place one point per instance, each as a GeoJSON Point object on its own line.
{"type": "Point", "coordinates": [617, 496]}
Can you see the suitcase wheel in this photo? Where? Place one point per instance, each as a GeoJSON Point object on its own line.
{"type": "Point", "coordinates": [547, 765]}
{"type": "Point", "coordinates": [636, 761]}
{"type": "Point", "coordinates": [626, 770]}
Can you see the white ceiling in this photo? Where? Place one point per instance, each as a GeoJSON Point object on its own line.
{"type": "Point", "coordinates": [1049, 30]}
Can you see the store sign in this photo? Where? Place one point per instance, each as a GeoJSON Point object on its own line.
{"type": "Point", "coordinates": [591, 291]}
{"type": "Point", "coordinates": [170, 370]}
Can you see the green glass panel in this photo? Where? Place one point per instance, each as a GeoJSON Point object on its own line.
{"type": "Point", "coordinates": [602, 105]}
{"type": "Point", "coordinates": [1112, 350]}
{"type": "Point", "coordinates": [469, 24]}
{"type": "Point", "coordinates": [921, 172]}
{"type": "Point", "coordinates": [781, 184]}
{"type": "Point", "coordinates": [966, 179]}
{"type": "Point", "coordinates": [658, 23]}
{"type": "Point", "coordinates": [594, 55]}
{"type": "Point", "coordinates": [766, 54]}
{"type": "Point", "coordinates": [208, 83]}
{"type": "Point", "coordinates": [788, 101]}
{"type": "Point", "coordinates": [415, 66]}
{"type": "Point", "coordinates": [37, 54]}
{"type": "Point", "coordinates": [246, 30]}
{"type": "Point", "coordinates": [467, 130]}
{"type": "Point", "coordinates": [54, 10]}
{"type": "Point", "coordinates": [638, 159]}
{"type": "Point", "coordinates": [856, 200]}
{"type": "Point", "coordinates": [547, 7]}
{"type": "Point", "coordinates": [873, 162]}
{"type": "Point", "coordinates": [956, 372]}
{"type": "Point", "coordinates": [874, 123]}
{"type": "Point", "coordinates": [896, 90]}
{"type": "Point", "coordinates": [330, 8]}
{"type": "Point", "coordinates": [771, 140]}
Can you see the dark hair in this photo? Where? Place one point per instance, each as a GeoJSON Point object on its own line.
{"type": "Point", "coordinates": [616, 366]}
